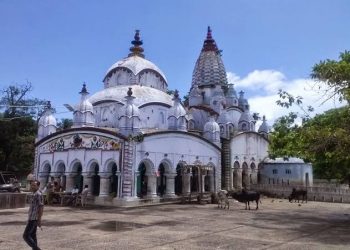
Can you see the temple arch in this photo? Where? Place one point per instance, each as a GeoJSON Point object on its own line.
{"type": "Point", "coordinates": [146, 179]}
{"type": "Point", "coordinates": [94, 173]}
{"type": "Point", "coordinates": [77, 176]}
{"type": "Point", "coordinates": [113, 172]}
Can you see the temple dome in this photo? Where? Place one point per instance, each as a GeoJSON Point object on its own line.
{"type": "Point", "coordinates": [136, 65]}
{"type": "Point", "coordinates": [143, 94]}
{"type": "Point", "coordinates": [135, 70]}
{"type": "Point", "coordinates": [47, 119]}
{"type": "Point", "coordinates": [211, 126]}
{"type": "Point", "coordinates": [209, 68]}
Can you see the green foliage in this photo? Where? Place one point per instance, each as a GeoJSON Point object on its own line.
{"type": "Point", "coordinates": [18, 127]}
{"type": "Point", "coordinates": [336, 75]}
{"type": "Point", "coordinates": [64, 124]}
{"type": "Point", "coordinates": [323, 140]}
{"type": "Point", "coordinates": [17, 144]}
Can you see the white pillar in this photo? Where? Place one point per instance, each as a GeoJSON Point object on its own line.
{"type": "Point", "coordinates": [69, 182]}
{"type": "Point", "coordinates": [87, 181]}
{"type": "Point", "coordinates": [170, 185]}
{"type": "Point", "coordinates": [211, 182]}
{"type": "Point", "coordinates": [186, 187]}
{"type": "Point", "coordinates": [238, 179]}
{"type": "Point", "coordinates": [152, 186]}
{"type": "Point", "coordinates": [104, 185]}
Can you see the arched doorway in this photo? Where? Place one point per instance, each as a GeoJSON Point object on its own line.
{"type": "Point", "coordinates": [194, 180]}
{"type": "Point", "coordinates": [259, 177]}
{"type": "Point", "coordinates": [95, 179]}
{"type": "Point", "coordinates": [245, 176]}
{"type": "Point", "coordinates": [78, 177]}
{"type": "Point", "coordinates": [61, 170]}
{"type": "Point", "coordinates": [114, 180]}
{"type": "Point", "coordinates": [46, 174]}
{"type": "Point", "coordinates": [253, 174]}
{"type": "Point", "coordinates": [142, 181]}
{"type": "Point", "coordinates": [178, 179]}
{"type": "Point", "coordinates": [207, 181]}
{"type": "Point", "coordinates": [236, 176]}
{"type": "Point", "coordinates": [161, 180]}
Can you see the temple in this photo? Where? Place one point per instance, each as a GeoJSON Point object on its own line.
{"type": "Point", "coordinates": [133, 141]}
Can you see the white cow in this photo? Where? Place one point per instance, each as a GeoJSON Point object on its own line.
{"type": "Point", "coordinates": [222, 199]}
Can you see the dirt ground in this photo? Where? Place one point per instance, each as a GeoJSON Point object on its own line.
{"type": "Point", "coordinates": [278, 224]}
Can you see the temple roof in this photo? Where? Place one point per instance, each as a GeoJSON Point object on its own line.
{"type": "Point", "coordinates": [209, 68]}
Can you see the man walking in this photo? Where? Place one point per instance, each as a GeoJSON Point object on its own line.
{"type": "Point", "coordinates": [34, 216]}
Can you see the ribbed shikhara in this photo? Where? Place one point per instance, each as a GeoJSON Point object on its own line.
{"type": "Point", "coordinates": [209, 69]}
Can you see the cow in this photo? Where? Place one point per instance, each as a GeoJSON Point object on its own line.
{"type": "Point", "coordinates": [298, 195]}
{"type": "Point", "coordinates": [222, 198]}
{"type": "Point", "coordinates": [246, 197]}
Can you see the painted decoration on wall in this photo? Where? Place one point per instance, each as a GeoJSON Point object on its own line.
{"type": "Point", "coordinates": [82, 141]}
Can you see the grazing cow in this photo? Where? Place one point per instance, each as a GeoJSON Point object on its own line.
{"type": "Point", "coordinates": [298, 195]}
{"type": "Point", "coordinates": [246, 197]}
{"type": "Point", "coordinates": [222, 198]}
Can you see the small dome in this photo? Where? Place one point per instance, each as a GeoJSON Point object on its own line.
{"type": "Point", "coordinates": [47, 119]}
{"type": "Point", "coordinates": [211, 126]}
{"type": "Point", "coordinates": [177, 110]}
{"type": "Point", "coordinates": [195, 91]}
{"type": "Point", "coordinates": [224, 118]}
{"type": "Point", "coordinates": [242, 102]}
{"type": "Point", "coordinates": [84, 105]}
{"type": "Point", "coordinates": [246, 117]}
{"type": "Point", "coordinates": [263, 127]}
{"type": "Point", "coordinates": [130, 109]}
{"type": "Point", "coordinates": [209, 68]}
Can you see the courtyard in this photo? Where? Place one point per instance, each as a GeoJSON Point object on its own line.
{"type": "Point", "coordinates": [278, 224]}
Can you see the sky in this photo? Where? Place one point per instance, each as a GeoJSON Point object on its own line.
{"type": "Point", "coordinates": [266, 45]}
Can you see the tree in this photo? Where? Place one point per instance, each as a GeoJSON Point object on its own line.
{"type": "Point", "coordinates": [336, 75]}
{"type": "Point", "coordinates": [323, 140]}
{"type": "Point", "coordinates": [65, 123]}
{"type": "Point", "coordinates": [18, 127]}
{"type": "Point", "coordinates": [16, 103]}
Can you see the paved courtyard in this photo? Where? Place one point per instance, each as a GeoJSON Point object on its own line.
{"type": "Point", "coordinates": [278, 224]}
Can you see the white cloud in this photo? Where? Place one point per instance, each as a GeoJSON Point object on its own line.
{"type": "Point", "coordinates": [268, 80]}
{"type": "Point", "coordinates": [264, 84]}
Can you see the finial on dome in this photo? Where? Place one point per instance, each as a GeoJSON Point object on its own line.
{"type": "Point", "coordinates": [48, 105]}
{"type": "Point", "coordinates": [176, 94]}
{"type": "Point", "coordinates": [129, 92]}
{"type": "Point", "coordinates": [209, 42]}
{"type": "Point", "coordinates": [84, 90]}
{"type": "Point", "coordinates": [136, 50]}
{"type": "Point", "coordinates": [209, 33]}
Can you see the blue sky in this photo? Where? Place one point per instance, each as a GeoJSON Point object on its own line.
{"type": "Point", "coordinates": [267, 44]}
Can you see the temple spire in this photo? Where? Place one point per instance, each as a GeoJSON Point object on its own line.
{"type": "Point", "coordinates": [209, 42]}
{"type": "Point", "coordinates": [136, 50]}
{"type": "Point", "coordinates": [84, 90]}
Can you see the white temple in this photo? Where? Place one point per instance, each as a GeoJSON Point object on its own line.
{"type": "Point", "coordinates": [132, 141]}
